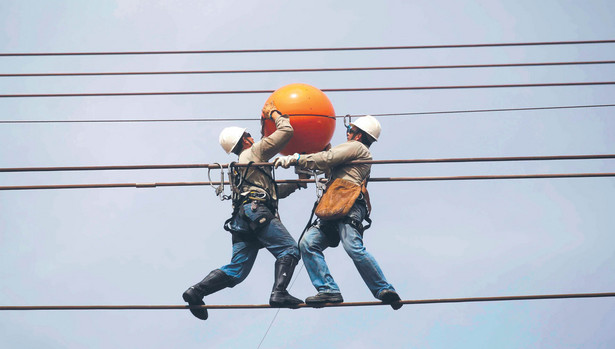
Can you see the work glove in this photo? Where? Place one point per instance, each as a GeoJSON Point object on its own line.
{"type": "Point", "coordinates": [286, 161]}
{"type": "Point", "coordinates": [267, 109]}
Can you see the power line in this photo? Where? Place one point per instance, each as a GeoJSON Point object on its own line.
{"type": "Point", "coordinates": [308, 181]}
{"type": "Point", "coordinates": [305, 70]}
{"type": "Point", "coordinates": [274, 50]}
{"type": "Point", "coordinates": [371, 162]}
{"type": "Point", "coordinates": [124, 120]}
{"type": "Point", "coordinates": [303, 305]}
{"type": "Point", "coordinates": [357, 89]}
{"type": "Point", "coordinates": [494, 110]}
{"type": "Point", "coordinates": [337, 116]}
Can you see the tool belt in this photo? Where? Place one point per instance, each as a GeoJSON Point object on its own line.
{"type": "Point", "coordinates": [338, 199]}
{"type": "Point", "coordinates": [250, 214]}
{"type": "Point", "coordinates": [254, 195]}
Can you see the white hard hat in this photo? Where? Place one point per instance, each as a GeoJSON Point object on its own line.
{"type": "Point", "coordinates": [369, 125]}
{"type": "Point", "coordinates": [229, 137]}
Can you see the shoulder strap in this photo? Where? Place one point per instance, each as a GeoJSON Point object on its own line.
{"type": "Point", "coordinates": [309, 223]}
{"type": "Point", "coordinates": [243, 179]}
{"type": "Point", "coordinates": [366, 196]}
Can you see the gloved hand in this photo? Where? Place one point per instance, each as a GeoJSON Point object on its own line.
{"type": "Point", "coordinates": [267, 109]}
{"type": "Point", "coordinates": [286, 161]}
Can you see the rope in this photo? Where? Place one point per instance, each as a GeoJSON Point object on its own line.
{"type": "Point", "coordinates": [278, 311]}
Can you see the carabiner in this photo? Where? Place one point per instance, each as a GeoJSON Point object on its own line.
{"type": "Point", "coordinates": [220, 188]}
{"type": "Point", "coordinates": [320, 187]}
{"type": "Point", "coordinates": [347, 124]}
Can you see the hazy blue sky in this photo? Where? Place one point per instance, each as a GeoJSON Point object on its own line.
{"type": "Point", "coordinates": [444, 239]}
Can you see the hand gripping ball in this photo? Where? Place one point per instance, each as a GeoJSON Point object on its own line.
{"type": "Point", "coordinates": [311, 115]}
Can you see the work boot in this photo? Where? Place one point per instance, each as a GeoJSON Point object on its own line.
{"type": "Point", "coordinates": [214, 282]}
{"type": "Point", "coordinates": [321, 298]}
{"type": "Point", "coordinates": [280, 298]}
{"type": "Point", "coordinates": [390, 297]}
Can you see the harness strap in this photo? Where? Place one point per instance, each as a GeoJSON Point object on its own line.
{"type": "Point", "coordinates": [238, 179]}
{"type": "Point", "coordinates": [309, 223]}
{"type": "Point", "coordinates": [368, 204]}
{"type": "Point", "coordinates": [243, 180]}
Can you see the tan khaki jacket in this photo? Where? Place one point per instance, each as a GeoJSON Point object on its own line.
{"type": "Point", "coordinates": [262, 151]}
{"type": "Point", "coordinates": [335, 161]}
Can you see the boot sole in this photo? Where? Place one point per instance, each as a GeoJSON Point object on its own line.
{"type": "Point", "coordinates": [285, 305]}
{"type": "Point", "coordinates": [198, 313]}
{"type": "Point", "coordinates": [393, 300]}
{"type": "Point", "coordinates": [316, 303]}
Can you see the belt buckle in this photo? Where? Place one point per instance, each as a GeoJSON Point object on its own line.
{"type": "Point", "coordinates": [257, 196]}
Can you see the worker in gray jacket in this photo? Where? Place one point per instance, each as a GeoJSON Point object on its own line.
{"type": "Point", "coordinates": [349, 229]}
{"type": "Point", "coordinates": [254, 223]}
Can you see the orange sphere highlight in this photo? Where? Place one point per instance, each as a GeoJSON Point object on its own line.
{"type": "Point", "coordinates": [311, 114]}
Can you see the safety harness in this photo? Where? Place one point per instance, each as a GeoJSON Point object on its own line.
{"type": "Point", "coordinates": [238, 179]}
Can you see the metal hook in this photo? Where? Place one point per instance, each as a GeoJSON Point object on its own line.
{"type": "Point", "coordinates": [320, 187]}
{"type": "Point", "coordinates": [346, 124]}
{"type": "Point", "coordinates": [220, 188]}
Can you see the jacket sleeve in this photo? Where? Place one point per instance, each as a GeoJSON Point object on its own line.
{"type": "Point", "coordinates": [269, 146]}
{"type": "Point", "coordinates": [325, 160]}
{"type": "Point", "coordinates": [285, 189]}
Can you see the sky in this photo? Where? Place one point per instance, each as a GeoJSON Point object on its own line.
{"type": "Point", "coordinates": [433, 239]}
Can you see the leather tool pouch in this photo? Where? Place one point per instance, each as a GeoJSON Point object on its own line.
{"type": "Point", "coordinates": [338, 199]}
{"type": "Point", "coordinates": [249, 218]}
{"type": "Point", "coordinates": [257, 214]}
{"type": "Point", "coordinates": [330, 229]}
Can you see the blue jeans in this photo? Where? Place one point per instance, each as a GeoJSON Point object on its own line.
{"type": "Point", "coordinates": [314, 242]}
{"type": "Point", "coordinates": [273, 236]}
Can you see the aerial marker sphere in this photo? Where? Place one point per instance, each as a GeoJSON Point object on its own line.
{"type": "Point", "coordinates": [311, 115]}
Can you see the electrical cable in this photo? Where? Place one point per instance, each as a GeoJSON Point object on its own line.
{"type": "Point", "coordinates": [303, 305]}
{"type": "Point", "coordinates": [337, 116]}
{"type": "Point", "coordinates": [370, 162]}
{"type": "Point", "coordinates": [491, 110]}
{"type": "Point", "coordinates": [307, 181]}
{"type": "Point", "coordinates": [305, 70]}
{"type": "Point", "coordinates": [356, 89]}
{"type": "Point", "coordinates": [365, 48]}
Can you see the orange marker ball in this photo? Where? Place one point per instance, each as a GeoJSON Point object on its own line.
{"type": "Point", "coordinates": [311, 115]}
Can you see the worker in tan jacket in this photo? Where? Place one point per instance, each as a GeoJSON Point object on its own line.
{"type": "Point", "coordinates": [254, 223]}
{"type": "Point", "coordinates": [329, 230]}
